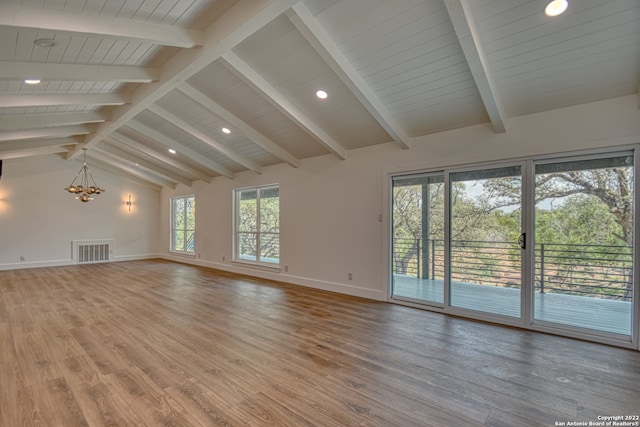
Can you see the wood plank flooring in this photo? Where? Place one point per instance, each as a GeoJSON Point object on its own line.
{"type": "Point", "coordinates": [155, 343]}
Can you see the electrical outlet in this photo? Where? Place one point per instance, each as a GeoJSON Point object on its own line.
{"type": "Point", "coordinates": [23, 258]}
{"type": "Point", "coordinates": [286, 268]}
{"type": "Point", "coordinates": [224, 257]}
{"type": "Point", "coordinates": [350, 276]}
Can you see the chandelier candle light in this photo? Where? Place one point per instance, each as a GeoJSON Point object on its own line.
{"type": "Point", "coordinates": [81, 186]}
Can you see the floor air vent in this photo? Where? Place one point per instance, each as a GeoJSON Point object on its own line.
{"type": "Point", "coordinates": [93, 251]}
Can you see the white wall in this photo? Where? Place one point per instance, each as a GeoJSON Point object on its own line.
{"type": "Point", "coordinates": [330, 208]}
{"type": "Point", "coordinates": [38, 220]}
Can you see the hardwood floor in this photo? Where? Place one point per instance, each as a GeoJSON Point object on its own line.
{"type": "Point", "coordinates": [155, 343]}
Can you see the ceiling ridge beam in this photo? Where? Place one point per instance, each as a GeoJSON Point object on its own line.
{"type": "Point", "coordinates": [12, 15]}
{"type": "Point", "coordinates": [15, 101]}
{"type": "Point", "coordinates": [202, 136]}
{"type": "Point", "coordinates": [143, 173]}
{"type": "Point", "coordinates": [77, 72]}
{"type": "Point", "coordinates": [460, 14]}
{"type": "Point", "coordinates": [23, 122]}
{"type": "Point", "coordinates": [146, 152]}
{"type": "Point", "coordinates": [323, 44]}
{"type": "Point", "coordinates": [234, 121]}
{"type": "Point", "coordinates": [241, 69]}
{"type": "Point", "coordinates": [234, 26]}
{"type": "Point", "coordinates": [52, 132]}
{"type": "Point", "coordinates": [180, 148]}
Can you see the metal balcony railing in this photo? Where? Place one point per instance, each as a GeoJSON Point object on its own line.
{"type": "Point", "coordinates": [602, 271]}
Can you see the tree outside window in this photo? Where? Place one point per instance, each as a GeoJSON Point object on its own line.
{"type": "Point", "coordinates": [183, 224]}
{"type": "Point", "coordinates": [257, 224]}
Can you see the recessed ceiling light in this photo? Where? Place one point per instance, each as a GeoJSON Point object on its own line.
{"type": "Point", "coordinates": [44, 42]}
{"type": "Point", "coordinates": [32, 81]}
{"type": "Point", "coordinates": [172, 151]}
{"type": "Point", "coordinates": [556, 7]}
{"type": "Point", "coordinates": [321, 94]}
{"type": "Point", "coordinates": [226, 130]}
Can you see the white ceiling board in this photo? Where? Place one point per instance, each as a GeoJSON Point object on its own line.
{"type": "Point", "coordinates": [219, 84]}
{"type": "Point", "coordinates": [187, 140]}
{"type": "Point", "coordinates": [37, 143]}
{"type": "Point", "coordinates": [48, 120]}
{"type": "Point", "coordinates": [160, 142]}
{"type": "Point", "coordinates": [288, 63]}
{"type": "Point", "coordinates": [541, 63]}
{"type": "Point", "coordinates": [394, 70]}
{"type": "Point", "coordinates": [129, 168]}
{"type": "Point", "coordinates": [47, 71]}
{"type": "Point", "coordinates": [401, 50]}
{"type": "Point", "coordinates": [324, 45]}
{"type": "Point", "coordinates": [52, 132]}
{"type": "Point", "coordinates": [184, 125]}
{"type": "Point", "coordinates": [102, 26]}
{"type": "Point", "coordinates": [206, 121]}
{"type": "Point", "coordinates": [125, 153]}
{"type": "Point", "coordinates": [233, 123]}
{"type": "Point", "coordinates": [160, 158]}
{"type": "Point", "coordinates": [467, 33]}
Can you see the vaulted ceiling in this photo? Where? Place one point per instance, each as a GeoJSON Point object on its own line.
{"type": "Point", "coordinates": [129, 79]}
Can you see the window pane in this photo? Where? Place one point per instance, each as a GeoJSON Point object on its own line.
{"type": "Point", "coordinates": [190, 213]}
{"type": "Point", "coordinates": [269, 211]}
{"type": "Point", "coordinates": [418, 238]}
{"type": "Point", "coordinates": [247, 244]}
{"type": "Point", "coordinates": [178, 213]}
{"type": "Point", "coordinates": [584, 243]}
{"type": "Point", "coordinates": [183, 224]}
{"type": "Point", "coordinates": [485, 257]}
{"type": "Point", "coordinates": [270, 247]}
{"type": "Point", "coordinates": [248, 211]}
{"type": "Point", "coordinates": [190, 242]}
{"type": "Point", "coordinates": [257, 224]}
{"type": "Point", "coordinates": [178, 240]}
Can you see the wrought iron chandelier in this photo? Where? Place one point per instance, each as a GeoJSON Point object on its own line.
{"type": "Point", "coordinates": [83, 185]}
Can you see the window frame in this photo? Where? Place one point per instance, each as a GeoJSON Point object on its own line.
{"type": "Point", "coordinates": [184, 229]}
{"type": "Point", "coordinates": [236, 238]}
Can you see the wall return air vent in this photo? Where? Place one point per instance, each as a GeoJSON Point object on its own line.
{"type": "Point", "coordinates": [92, 251]}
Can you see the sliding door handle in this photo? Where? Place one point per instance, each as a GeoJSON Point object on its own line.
{"type": "Point", "coordinates": [522, 240]}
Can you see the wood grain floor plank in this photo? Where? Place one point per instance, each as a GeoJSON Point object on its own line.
{"type": "Point", "coordinates": [155, 343]}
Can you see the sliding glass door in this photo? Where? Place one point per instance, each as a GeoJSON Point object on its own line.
{"type": "Point", "coordinates": [418, 238]}
{"type": "Point", "coordinates": [543, 243]}
{"type": "Point", "coordinates": [485, 258]}
{"type": "Point", "coordinates": [584, 243]}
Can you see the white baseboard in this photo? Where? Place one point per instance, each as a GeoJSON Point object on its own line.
{"type": "Point", "coordinates": [65, 262]}
{"type": "Point", "coordinates": [269, 274]}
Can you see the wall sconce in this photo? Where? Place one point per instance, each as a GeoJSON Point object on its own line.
{"type": "Point", "coordinates": [129, 203]}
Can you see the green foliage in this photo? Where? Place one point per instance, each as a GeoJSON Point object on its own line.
{"type": "Point", "coordinates": [259, 224]}
{"type": "Point", "coordinates": [580, 219]}
{"type": "Point", "coordinates": [184, 224]}
{"type": "Point", "coordinates": [583, 215]}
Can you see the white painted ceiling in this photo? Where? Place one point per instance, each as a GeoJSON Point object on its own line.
{"type": "Point", "coordinates": [128, 79]}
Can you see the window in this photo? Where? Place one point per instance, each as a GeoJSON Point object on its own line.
{"type": "Point", "coordinates": [183, 224]}
{"type": "Point", "coordinates": [257, 224]}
